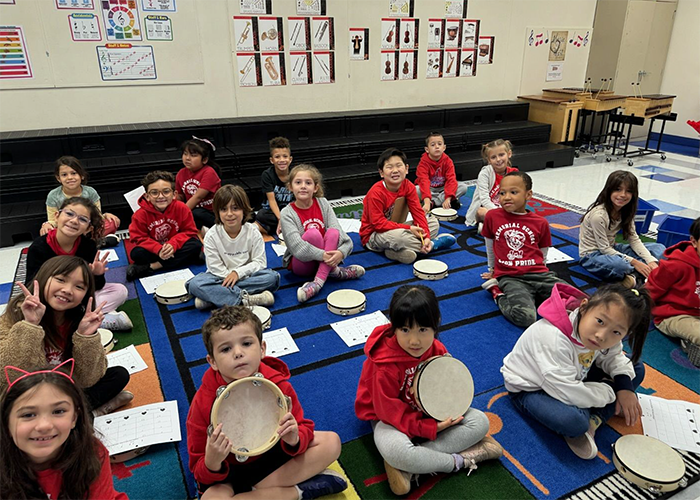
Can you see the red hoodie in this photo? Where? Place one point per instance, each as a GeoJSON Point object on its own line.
{"type": "Point", "coordinates": [384, 389]}
{"type": "Point", "coordinates": [151, 228]}
{"type": "Point", "coordinates": [436, 174]}
{"type": "Point", "coordinates": [198, 419]}
{"type": "Point", "coordinates": [675, 284]}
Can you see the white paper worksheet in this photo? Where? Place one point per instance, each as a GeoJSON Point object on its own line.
{"type": "Point", "coordinates": [354, 331]}
{"type": "Point", "coordinates": [279, 249]}
{"type": "Point", "coordinates": [129, 358]}
{"type": "Point", "coordinates": [673, 422]}
{"type": "Point", "coordinates": [350, 225]}
{"type": "Point", "coordinates": [150, 283]}
{"type": "Point", "coordinates": [556, 255]}
{"type": "Point", "coordinates": [279, 342]}
{"type": "Point", "coordinates": [138, 427]}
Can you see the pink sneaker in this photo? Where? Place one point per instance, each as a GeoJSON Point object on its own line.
{"type": "Point", "coordinates": [308, 290]}
{"type": "Point", "coordinates": [347, 273]}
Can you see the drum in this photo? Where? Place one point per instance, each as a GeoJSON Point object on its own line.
{"type": "Point", "coordinates": [443, 387]}
{"type": "Point", "coordinates": [346, 302]}
{"type": "Point", "coordinates": [444, 214]}
{"type": "Point", "coordinates": [128, 455]}
{"type": "Point", "coordinates": [107, 338]}
{"type": "Point", "coordinates": [173, 292]}
{"type": "Point", "coordinates": [430, 269]}
{"type": "Point", "coordinates": [263, 314]}
{"type": "Point", "coordinates": [250, 409]}
{"type": "Point", "coordinates": [649, 463]}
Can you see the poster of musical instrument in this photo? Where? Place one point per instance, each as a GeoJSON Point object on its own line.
{"type": "Point", "coordinates": [409, 33]}
{"type": "Point", "coordinates": [401, 8]}
{"type": "Point", "coordinates": [486, 44]}
{"type": "Point", "coordinates": [158, 28]}
{"type": "Point", "coordinates": [270, 31]}
{"type": "Point", "coordinates": [557, 46]}
{"type": "Point", "coordinates": [273, 64]}
{"type": "Point", "coordinates": [301, 68]}
{"type": "Point", "coordinates": [123, 61]}
{"type": "Point", "coordinates": [311, 7]}
{"type": "Point", "coordinates": [245, 32]}
{"type": "Point", "coordinates": [256, 6]}
{"type": "Point", "coordinates": [359, 44]}
{"type": "Point", "coordinates": [436, 30]}
{"type": "Point", "coordinates": [434, 64]}
{"type": "Point", "coordinates": [70, 4]}
{"type": "Point", "coordinates": [390, 61]}
{"type": "Point", "coordinates": [14, 58]}
{"type": "Point", "coordinates": [408, 60]}
{"type": "Point", "coordinates": [453, 35]}
{"type": "Point", "coordinates": [300, 33]}
{"type": "Point", "coordinates": [450, 63]}
{"type": "Point", "coordinates": [324, 36]}
{"type": "Point", "coordinates": [159, 5]}
{"type": "Point", "coordinates": [249, 70]}
{"type": "Point", "coordinates": [84, 27]}
{"type": "Point", "coordinates": [121, 20]}
{"type": "Point", "coordinates": [470, 33]}
{"type": "Point", "coordinates": [467, 62]}
{"type": "Point", "coordinates": [390, 30]}
{"type": "Point", "coordinates": [455, 8]}
{"type": "Point", "coordinates": [323, 67]}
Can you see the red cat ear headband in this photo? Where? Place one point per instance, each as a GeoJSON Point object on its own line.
{"type": "Point", "coordinates": [213, 148]}
{"type": "Point", "coordinates": [24, 374]}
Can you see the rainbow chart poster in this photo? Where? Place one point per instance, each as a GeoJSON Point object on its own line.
{"type": "Point", "coordinates": [14, 58]}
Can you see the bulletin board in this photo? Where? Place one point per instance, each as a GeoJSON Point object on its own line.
{"type": "Point", "coordinates": [60, 59]}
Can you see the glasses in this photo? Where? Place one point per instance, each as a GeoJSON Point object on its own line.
{"type": "Point", "coordinates": [154, 193]}
{"type": "Point", "coordinates": [72, 215]}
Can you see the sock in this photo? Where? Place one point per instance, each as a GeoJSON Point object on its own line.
{"type": "Point", "coordinates": [300, 497]}
{"type": "Point", "coordinates": [319, 281]}
{"type": "Point", "coordinates": [595, 421]}
{"type": "Point", "coordinates": [459, 461]}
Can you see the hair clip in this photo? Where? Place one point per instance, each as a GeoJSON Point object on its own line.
{"type": "Point", "coordinates": [213, 148]}
{"type": "Point", "coordinates": [634, 291]}
{"type": "Point", "coordinates": [25, 374]}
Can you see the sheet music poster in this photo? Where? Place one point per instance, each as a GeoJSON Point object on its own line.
{"type": "Point", "coordinates": [123, 61]}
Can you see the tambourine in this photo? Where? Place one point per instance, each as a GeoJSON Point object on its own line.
{"type": "Point", "coordinates": [444, 214]}
{"type": "Point", "coordinates": [263, 314]}
{"type": "Point", "coordinates": [430, 269]}
{"type": "Point", "coordinates": [107, 338]}
{"type": "Point", "coordinates": [346, 302]}
{"type": "Point", "coordinates": [443, 387]}
{"type": "Point", "coordinates": [128, 455]}
{"type": "Point", "coordinates": [173, 292]}
{"type": "Point", "coordinates": [649, 463]}
{"type": "Point", "coordinates": [250, 409]}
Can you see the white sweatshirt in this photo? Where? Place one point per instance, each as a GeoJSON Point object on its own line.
{"type": "Point", "coordinates": [244, 254]}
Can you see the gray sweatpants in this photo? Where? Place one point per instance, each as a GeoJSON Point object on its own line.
{"type": "Point", "coordinates": [438, 194]}
{"type": "Point", "coordinates": [523, 293]}
{"type": "Point", "coordinates": [426, 457]}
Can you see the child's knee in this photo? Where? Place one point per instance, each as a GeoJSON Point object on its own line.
{"type": "Point", "coordinates": [478, 421]}
{"type": "Point", "coordinates": [573, 426]}
{"type": "Point", "coordinates": [522, 316]}
{"type": "Point", "coordinates": [330, 443]}
{"type": "Point", "coordinates": [216, 491]}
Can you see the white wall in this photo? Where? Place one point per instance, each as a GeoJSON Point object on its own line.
{"type": "Point", "coordinates": [357, 86]}
{"type": "Point", "coordinates": [682, 72]}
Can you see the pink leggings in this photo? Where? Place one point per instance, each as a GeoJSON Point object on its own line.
{"type": "Point", "coordinates": [109, 227]}
{"type": "Point", "coordinates": [327, 242]}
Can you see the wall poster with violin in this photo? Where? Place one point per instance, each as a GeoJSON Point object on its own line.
{"type": "Point", "coordinates": [409, 33]}
{"type": "Point", "coordinates": [390, 63]}
{"type": "Point", "coordinates": [408, 59]}
{"type": "Point", "coordinates": [390, 30]}
{"type": "Point", "coordinates": [245, 33]}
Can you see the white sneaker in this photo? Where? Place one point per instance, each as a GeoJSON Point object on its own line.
{"type": "Point", "coordinates": [202, 304]}
{"type": "Point", "coordinates": [260, 299]}
{"type": "Point", "coordinates": [117, 321]}
{"type": "Point", "coordinates": [404, 256]}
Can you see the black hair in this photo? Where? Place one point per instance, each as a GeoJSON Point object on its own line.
{"type": "Point", "coordinates": [279, 143]}
{"type": "Point", "coordinates": [527, 180]}
{"type": "Point", "coordinates": [615, 180]}
{"type": "Point", "coordinates": [158, 175]}
{"type": "Point", "coordinates": [226, 318]}
{"type": "Point", "coordinates": [433, 134]}
{"type": "Point", "coordinates": [203, 148]}
{"type": "Point", "coordinates": [415, 305]}
{"type": "Point", "coordinates": [388, 153]}
{"type": "Point", "coordinates": [695, 229]}
{"type": "Point", "coordinates": [72, 162]}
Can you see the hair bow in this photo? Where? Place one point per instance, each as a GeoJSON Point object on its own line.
{"type": "Point", "coordinates": [213, 148]}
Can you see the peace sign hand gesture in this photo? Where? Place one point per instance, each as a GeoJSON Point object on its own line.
{"type": "Point", "coordinates": [32, 308]}
{"type": "Point", "coordinates": [99, 265]}
{"type": "Point", "coordinates": [92, 319]}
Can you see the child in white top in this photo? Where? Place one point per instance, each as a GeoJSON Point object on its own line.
{"type": "Point", "coordinates": [568, 369]}
{"type": "Point", "coordinates": [235, 254]}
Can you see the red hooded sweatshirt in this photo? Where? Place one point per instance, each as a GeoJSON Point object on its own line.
{"type": "Point", "coordinates": [436, 174]}
{"type": "Point", "coordinates": [151, 228]}
{"type": "Point", "coordinates": [199, 418]}
{"type": "Point", "coordinates": [675, 284]}
{"type": "Point", "coordinates": [384, 389]}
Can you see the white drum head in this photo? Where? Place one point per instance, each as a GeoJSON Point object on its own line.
{"type": "Point", "coordinates": [250, 410]}
{"type": "Point", "coordinates": [429, 269]}
{"type": "Point", "coordinates": [172, 292]}
{"type": "Point", "coordinates": [107, 338]}
{"type": "Point", "coordinates": [647, 462]}
{"type": "Point", "coordinates": [263, 314]}
{"type": "Point", "coordinates": [445, 214]}
{"type": "Point", "coordinates": [346, 302]}
{"type": "Point", "coordinates": [443, 387]}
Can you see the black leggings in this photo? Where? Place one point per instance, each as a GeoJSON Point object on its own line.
{"type": "Point", "coordinates": [111, 384]}
{"type": "Point", "coordinates": [187, 255]}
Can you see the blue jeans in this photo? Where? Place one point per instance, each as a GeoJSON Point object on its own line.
{"type": "Point", "coordinates": [207, 286]}
{"type": "Point", "coordinates": [564, 419]}
{"type": "Point", "coordinates": [614, 267]}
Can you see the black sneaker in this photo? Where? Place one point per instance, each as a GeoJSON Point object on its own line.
{"type": "Point", "coordinates": [325, 483]}
{"type": "Point", "coordinates": [110, 240]}
{"type": "Point", "coordinates": [136, 271]}
{"type": "Point", "coordinates": [455, 204]}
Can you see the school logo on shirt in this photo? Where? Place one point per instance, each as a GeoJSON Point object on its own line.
{"type": "Point", "coordinates": [515, 239]}
{"type": "Point", "coordinates": [313, 223]}
{"type": "Point", "coordinates": [586, 359]}
{"type": "Point", "coordinates": [438, 180]}
{"type": "Point", "coordinates": [162, 232]}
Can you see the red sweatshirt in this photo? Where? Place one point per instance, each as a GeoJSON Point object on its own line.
{"type": "Point", "coordinates": [199, 418]}
{"type": "Point", "coordinates": [436, 174]}
{"type": "Point", "coordinates": [675, 284]}
{"type": "Point", "coordinates": [151, 229]}
{"type": "Point", "coordinates": [51, 480]}
{"type": "Point", "coordinates": [384, 389]}
{"type": "Point", "coordinates": [379, 204]}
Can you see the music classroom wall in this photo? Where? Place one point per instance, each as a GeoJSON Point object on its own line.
{"type": "Point", "coordinates": [190, 57]}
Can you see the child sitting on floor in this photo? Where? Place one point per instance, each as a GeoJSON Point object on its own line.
{"type": "Point", "coordinates": [274, 186]}
{"type": "Point", "coordinates": [516, 247]}
{"type": "Point", "coordinates": [293, 468]}
{"type": "Point", "coordinates": [198, 181]}
{"type": "Point", "coordinates": [436, 179]}
{"type": "Point", "coordinates": [316, 244]}
{"type": "Point", "coordinates": [235, 253]}
{"type": "Point", "coordinates": [385, 207]}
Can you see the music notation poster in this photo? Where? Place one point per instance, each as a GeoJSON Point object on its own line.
{"type": "Point", "coordinates": [245, 32]}
{"type": "Point", "coordinates": [455, 8]}
{"type": "Point", "coordinates": [311, 7]}
{"type": "Point", "coordinates": [359, 44]}
{"type": "Point", "coordinates": [158, 28]}
{"type": "Point", "coordinates": [467, 62]}
{"type": "Point", "coordinates": [408, 34]}
{"type": "Point", "coordinates": [273, 69]}
{"type": "Point", "coordinates": [68, 4]}
{"type": "Point", "coordinates": [450, 63]}
{"type": "Point", "coordinates": [323, 67]}
{"type": "Point", "coordinates": [434, 64]}
{"type": "Point", "coordinates": [256, 6]}
{"type": "Point", "coordinates": [299, 33]}
{"type": "Point", "coordinates": [270, 33]}
{"type": "Point", "coordinates": [323, 33]}
{"type": "Point", "coordinates": [14, 58]}
{"type": "Point", "coordinates": [249, 69]}
{"type": "Point", "coordinates": [390, 62]}
{"type": "Point", "coordinates": [123, 61]}
{"type": "Point", "coordinates": [301, 75]}
{"type": "Point", "coordinates": [408, 59]}
{"type": "Point", "coordinates": [84, 27]}
{"type": "Point", "coordinates": [436, 31]}
{"type": "Point", "coordinates": [557, 45]}
{"type": "Point", "coordinates": [401, 8]}
{"type": "Point", "coordinates": [121, 20]}
{"type": "Point", "coordinates": [486, 44]}
{"type": "Point", "coordinates": [390, 31]}
{"type": "Point", "coordinates": [159, 5]}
